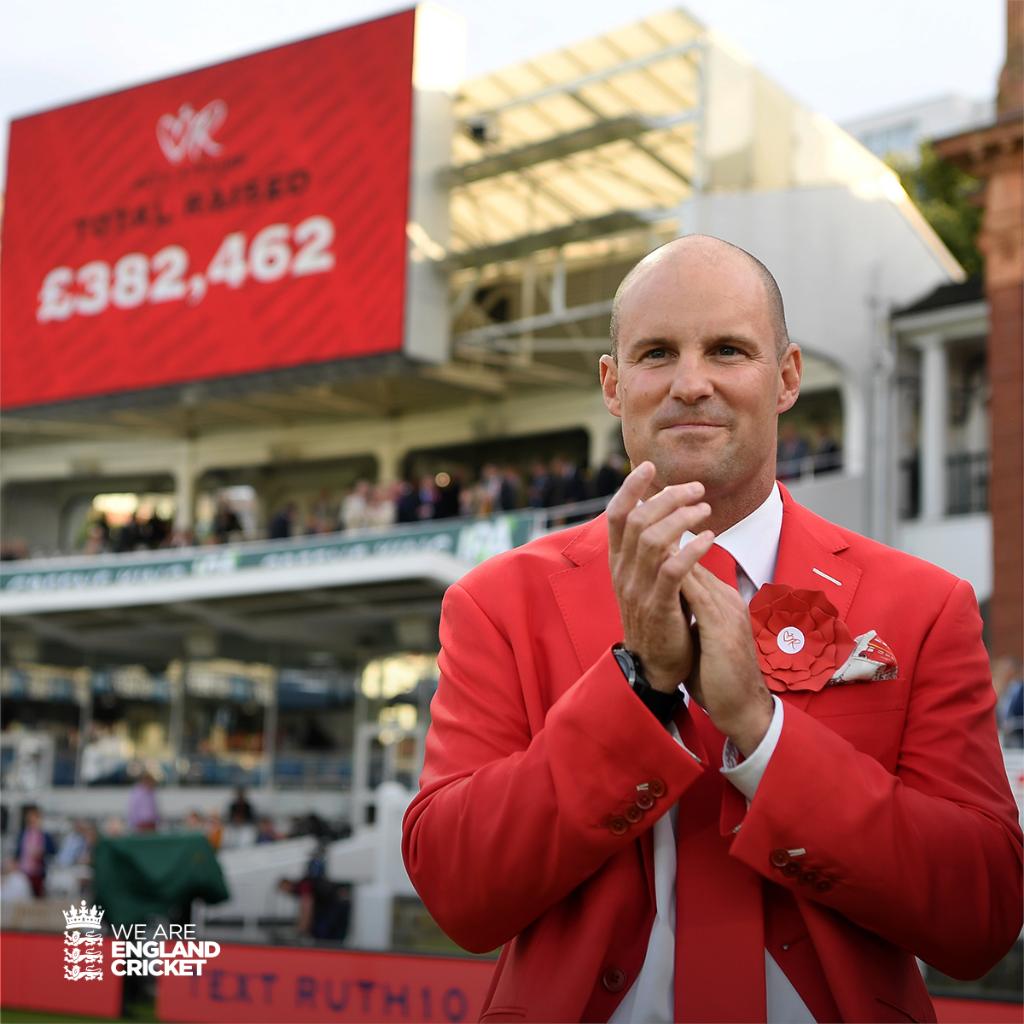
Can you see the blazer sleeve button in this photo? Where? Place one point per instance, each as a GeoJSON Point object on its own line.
{"type": "Point", "coordinates": [644, 800]}
{"type": "Point", "coordinates": [778, 858]}
{"type": "Point", "coordinates": [656, 788]}
{"type": "Point", "coordinates": [822, 885]}
{"type": "Point", "coordinates": [614, 979]}
{"type": "Point", "coordinates": [618, 825]}
{"type": "Point", "coordinates": [791, 870]}
{"type": "Point", "coordinates": [634, 814]}
{"type": "Point", "coordinates": [807, 877]}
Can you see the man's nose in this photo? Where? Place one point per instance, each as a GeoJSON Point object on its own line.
{"type": "Point", "coordinates": [691, 381]}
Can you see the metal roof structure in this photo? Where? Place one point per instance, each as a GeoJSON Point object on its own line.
{"type": "Point", "coordinates": [570, 166]}
{"type": "Point", "coordinates": [580, 143]}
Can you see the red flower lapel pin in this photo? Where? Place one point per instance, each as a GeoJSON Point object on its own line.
{"type": "Point", "coordinates": [803, 644]}
{"type": "Point", "coordinates": [801, 641]}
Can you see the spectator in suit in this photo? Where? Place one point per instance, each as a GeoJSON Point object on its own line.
{"type": "Point", "coordinates": [283, 522]}
{"type": "Point", "coordinates": [129, 536]}
{"type": "Point", "coordinates": [427, 498]}
{"type": "Point", "coordinates": [35, 848]}
{"type": "Point", "coordinates": [225, 522]}
{"type": "Point", "coordinates": [540, 490]}
{"type": "Point", "coordinates": [240, 810]}
{"type": "Point", "coordinates": [568, 484]}
{"type": "Point", "coordinates": [511, 489]}
{"type": "Point", "coordinates": [449, 487]}
{"type": "Point", "coordinates": [793, 450]}
{"type": "Point", "coordinates": [610, 475]}
{"type": "Point", "coordinates": [828, 454]}
{"type": "Point", "coordinates": [407, 503]}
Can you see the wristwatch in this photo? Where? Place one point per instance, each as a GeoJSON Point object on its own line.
{"type": "Point", "coordinates": [662, 705]}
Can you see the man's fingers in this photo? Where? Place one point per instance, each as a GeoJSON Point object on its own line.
{"type": "Point", "coordinates": [711, 583]}
{"type": "Point", "coordinates": [708, 595]}
{"type": "Point", "coordinates": [694, 584]}
{"type": "Point", "coordinates": [652, 511]}
{"type": "Point", "coordinates": [633, 488]}
{"type": "Point", "coordinates": [660, 537]}
{"type": "Point", "coordinates": [693, 552]}
{"type": "Point", "coordinates": [676, 568]}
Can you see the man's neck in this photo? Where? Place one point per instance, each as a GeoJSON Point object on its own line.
{"type": "Point", "coordinates": [730, 507]}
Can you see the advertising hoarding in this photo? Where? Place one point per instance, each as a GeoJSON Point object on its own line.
{"type": "Point", "coordinates": [33, 976]}
{"type": "Point", "coordinates": [250, 984]}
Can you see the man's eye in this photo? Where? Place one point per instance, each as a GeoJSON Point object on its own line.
{"type": "Point", "coordinates": [655, 353]}
{"type": "Point", "coordinates": [728, 350]}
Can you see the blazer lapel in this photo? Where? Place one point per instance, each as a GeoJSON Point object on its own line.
{"type": "Point", "coordinates": [809, 550]}
{"type": "Point", "coordinates": [585, 596]}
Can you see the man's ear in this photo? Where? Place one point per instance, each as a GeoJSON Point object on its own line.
{"type": "Point", "coordinates": [790, 371]}
{"type": "Point", "coordinates": [610, 384]}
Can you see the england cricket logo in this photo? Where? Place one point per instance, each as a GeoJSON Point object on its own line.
{"type": "Point", "coordinates": [83, 943]}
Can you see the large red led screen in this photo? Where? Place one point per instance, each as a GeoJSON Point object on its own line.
{"type": "Point", "coordinates": [247, 216]}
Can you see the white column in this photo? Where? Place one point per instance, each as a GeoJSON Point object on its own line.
{"type": "Point", "coordinates": [603, 441]}
{"type": "Point", "coordinates": [855, 422]}
{"type": "Point", "coordinates": [185, 488]}
{"type": "Point", "coordinates": [270, 725]}
{"type": "Point", "coordinates": [934, 425]}
{"type": "Point", "coordinates": [176, 720]}
{"type": "Point", "coordinates": [389, 462]}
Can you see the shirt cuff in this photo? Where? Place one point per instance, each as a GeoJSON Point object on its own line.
{"type": "Point", "coordinates": [746, 775]}
{"type": "Point", "coordinates": [674, 733]}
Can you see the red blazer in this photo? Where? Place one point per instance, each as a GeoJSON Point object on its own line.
{"type": "Point", "coordinates": [883, 826]}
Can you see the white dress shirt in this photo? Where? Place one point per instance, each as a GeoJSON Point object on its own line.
{"type": "Point", "coordinates": [754, 543]}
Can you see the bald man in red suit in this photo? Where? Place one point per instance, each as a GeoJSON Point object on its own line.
{"type": "Point", "coordinates": [711, 757]}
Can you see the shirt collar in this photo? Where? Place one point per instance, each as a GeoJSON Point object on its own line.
{"type": "Point", "coordinates": [754, 540]}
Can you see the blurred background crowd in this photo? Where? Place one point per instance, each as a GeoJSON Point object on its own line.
{"type": "Point", "coordinates": [50, 857]}
{"type": "Point", "coordinates": [804, 451]}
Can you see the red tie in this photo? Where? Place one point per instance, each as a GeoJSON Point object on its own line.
{"type": "Point", "coordinates": [722, 564]}
{"type": "Point", "coordinates": [719, 915]}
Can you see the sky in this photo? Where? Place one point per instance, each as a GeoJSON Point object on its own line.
{"type": "Point", "coordinates": [843, 58]}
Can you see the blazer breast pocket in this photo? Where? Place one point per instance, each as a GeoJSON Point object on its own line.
{"type": "Point", "coordinates": [864, 698]}
{"type": "Point", "coordinates": [874, 728]}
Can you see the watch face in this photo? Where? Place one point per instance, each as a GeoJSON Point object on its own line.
{"type": "Point", "coordinates": [626, 663]}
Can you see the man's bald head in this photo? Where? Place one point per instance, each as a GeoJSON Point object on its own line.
{"type": "Point", "coordinates": [712, 249]}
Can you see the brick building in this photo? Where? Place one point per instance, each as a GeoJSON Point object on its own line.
{"type": "Point", "coordinates": [994, 155]}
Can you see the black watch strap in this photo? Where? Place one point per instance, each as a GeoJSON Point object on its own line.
{"type": "Point", "coordinates": [662, 705]}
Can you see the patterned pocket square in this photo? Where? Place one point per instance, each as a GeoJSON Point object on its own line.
{"type": "Point", "coordinates": [871, 658]}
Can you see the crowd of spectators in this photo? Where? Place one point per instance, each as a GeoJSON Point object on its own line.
{"type": "Point", "coordinates": [429, 496]}
{"type": "Point", "coordinates": [39, 854]}
{"type": "Point", "coordinates": [36, 856]}
{"type": "Point", "coordinates": [805, 452]}
{"type": "Point", "coordinates": [39, 866]}
{"type": "Point", "coordinates": [444, 494]}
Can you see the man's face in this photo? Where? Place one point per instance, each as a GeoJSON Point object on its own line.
{"type": "Point", "coordinates": [698, 383]}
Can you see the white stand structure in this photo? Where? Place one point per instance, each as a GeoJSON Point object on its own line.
{"type": "Point", "coordinates": [370, 861]}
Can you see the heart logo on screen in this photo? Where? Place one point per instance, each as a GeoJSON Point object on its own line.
{"type": "Point", "coordinates": [189, 134]}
